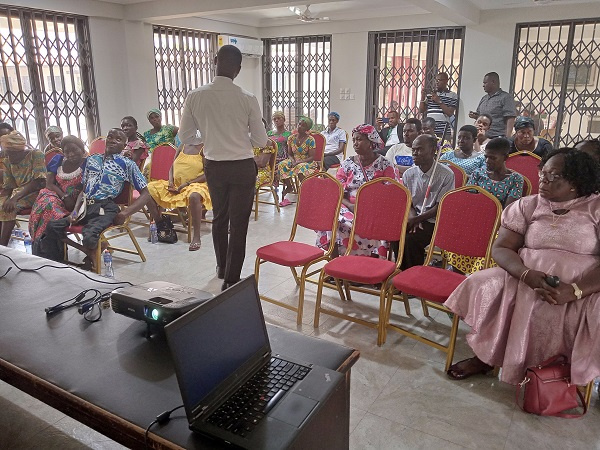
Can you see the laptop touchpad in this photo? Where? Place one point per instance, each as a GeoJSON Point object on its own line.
{"type": "Point", "coordinates": [293, 409]}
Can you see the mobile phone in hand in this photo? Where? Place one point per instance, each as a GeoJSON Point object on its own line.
{"type": "Point", "coordinates": [385, 119]}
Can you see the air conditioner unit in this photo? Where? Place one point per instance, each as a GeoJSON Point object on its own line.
{"type": "Point", "coordinates": [252, 48]}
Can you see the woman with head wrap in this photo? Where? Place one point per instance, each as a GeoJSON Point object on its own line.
{"type": "Point", "coordinates": [24, 176]}
{"type": "Point", "coordinates": [63, 185]}
{"type": "Point", "coordinates": [353, 173]}
{"type": "Point", "coordinates": [524, 138]}
{"type": "Point", "coordinates": [279, 135]}
{"type": "Point", "coordinates": [159, 134]}
{"type": "Point", "coordinates": [301, 158]}
{"type": "Point", "coordinates": [54, 135]}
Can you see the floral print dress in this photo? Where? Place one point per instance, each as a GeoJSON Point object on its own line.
{"type": "Point", "coordinates": [352, 176]}
{"type": "Point", "coordinates": [286, 168]}
{"type": "Point", "coordinates": [264, 173]}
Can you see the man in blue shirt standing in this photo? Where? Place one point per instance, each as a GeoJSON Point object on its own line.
{"type": "Point", "coordinates": [103, 180]}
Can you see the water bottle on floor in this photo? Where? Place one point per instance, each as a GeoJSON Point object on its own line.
{"type": "Point", "coordinates": [108, 267]}
{"type": "Point", "coordinates": [28, 243]}
{"type": "Point", "coordinates": [153, 233]}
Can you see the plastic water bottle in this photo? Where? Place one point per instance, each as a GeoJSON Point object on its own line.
{"type": "Point", "coordinates": [28, 243]}
{"type": "Point", "coordinates": [108, 267]}
{"type": "Point", "coordinates": [153, 233]}
{"type": "Point", "coordinates": [596, 384]}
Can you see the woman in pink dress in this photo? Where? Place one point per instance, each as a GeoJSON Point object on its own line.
{"type": "Point", "coordinates": [517, 318]}
{"type": "Point", "coordinates": [353, 173]}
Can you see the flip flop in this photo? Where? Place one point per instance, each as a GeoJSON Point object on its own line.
{"type": "Point", "coordinates": [285, 202]}
{"type": "Point", "coordinates": [194, 246]}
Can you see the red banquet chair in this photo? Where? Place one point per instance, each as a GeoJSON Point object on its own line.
{"type": "Point", "coordinates": [527, 164]}
{"type": "Point", "coordinates": [454, 234]}
{"type": "Point", "coordinates": [319, 148]}
{"type": "Point", "coordinates": [460, 176]}
{"type": "Point", "coordinates": [380, 213]}
{"type": "Point", "coordinates": [98, 146]}
{"type": "Point", "coordinates": [49, 155]}
{"type": "Point", "coordinates": [319, 202]}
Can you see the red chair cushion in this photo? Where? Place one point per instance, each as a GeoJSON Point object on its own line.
{"type": "Point", "coordinates": [75, 229]}
{"type": "Point", "coordinates": [289, 253]}
{"type": "Point", "coordinates": [361, 269]}
{"type": "Point", "coordinates": [24, 212]}
{"type": "Point", "coordinates": [431, 283]}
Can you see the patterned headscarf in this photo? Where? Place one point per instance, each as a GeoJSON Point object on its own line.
{"type": "Point", "coordinates": [53, 129]}
{"type": "Point", "coordinates": [13, 141]}
{"type": "Point", "coordinates": [371, 133]}
{"type": "Point", "coordinates": [308, 121]}
{"type": "Point", "coordinates": [277, 114]}
{"type": "Point", "coordinates": [524, 122]}
{"type": "Point", "coordinates": [153, 111]}
{"type": "Point", "coordinates": [334, 114]}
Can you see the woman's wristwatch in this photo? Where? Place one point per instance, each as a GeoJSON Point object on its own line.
{"type": "Point", "coordinates": [578, 292]}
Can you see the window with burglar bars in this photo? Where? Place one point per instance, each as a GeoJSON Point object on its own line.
{"type": "Point", "coordinates": [184, 61]}
{"type": "Point", "coordinates": [556, 78]}
{"type": "Point", "coordinates": [403, 63]}
{"type": "Point", "coordinates": [47, 76]}
{"type": "Point", "coordinates": [296, 78]}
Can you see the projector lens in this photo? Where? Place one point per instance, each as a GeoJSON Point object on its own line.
{"type": "Point", "coordinates": [155, 314]}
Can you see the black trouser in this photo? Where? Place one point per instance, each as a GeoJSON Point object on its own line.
{"type": "Point", "coordinates": [414, 246]}
{"type": "Point", "coordinates": [94, 223]}
{"type": "Point", "coordinates": [231, 186]}
{"type": "Point", "coordinates": [330, 160]}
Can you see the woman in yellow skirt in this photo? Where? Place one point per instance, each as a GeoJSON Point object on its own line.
{"type": "Point", "coordinates": [186, 185]}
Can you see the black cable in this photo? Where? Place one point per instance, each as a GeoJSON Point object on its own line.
{"type": "Point", "coordinates": [162, 418]}
{"type": "Point", "coordinates": [62, 267]}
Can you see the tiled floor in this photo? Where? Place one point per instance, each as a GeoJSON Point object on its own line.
{"type": "Point", "coordinates": [400, 397]}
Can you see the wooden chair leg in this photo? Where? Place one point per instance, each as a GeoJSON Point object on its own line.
{"type": "Point", "coordinates": [275, 198]}
{"type": "Point", "coordinates": [425, 308]}
{"type": "Point", "coordinates": [452, 343]}
{"type": "Point", "coordinates": [256, 205]}
{"type": "Point", "coordinates": [318, 301]}
{"type": "Point", "coordinates": [347, 289]}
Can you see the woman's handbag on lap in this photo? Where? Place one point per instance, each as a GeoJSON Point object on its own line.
{"type": "Point", "coordinates": [548, 389]}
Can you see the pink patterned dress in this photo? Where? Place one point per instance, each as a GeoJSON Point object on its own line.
{"type": "Point", "coordinates": [511, 326]}
{"type": "Point", "coordinates": [48, 206]}
{"type": "Point", "coordinates": [352, 176]}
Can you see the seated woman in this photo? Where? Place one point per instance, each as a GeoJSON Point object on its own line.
{"type": "Point", "coordinates": [517, 319]}
{"type": "Point", "coordinates": [186, 186]}
{"type": "Point", "coordinates": [159, 134]}
{"type": "Point", "coordinates": [301, 158]}
{"type": "Point", "coordinates": [279, 135]}
{"type": "Point", "coordinates": [63, 185]}
{"type": "Point", "coordinates": [24, 176]}
{"type": "Point", "coordinates": [353, 173]}
{"type": "Point", "coordinates": [524, 138]}
{"type": "Point", "coordinates": [483, 124]}
{"type": "Point", "coordinates": [465, 155]}
{"type": "Point", "coordinates": [504, 184]}
{"type": "Point", "coordinates": [262, 156]}
{"type": "Point", "coordinates": [54, 135]}
{"type": "Point", "coordinates": [135, 149]}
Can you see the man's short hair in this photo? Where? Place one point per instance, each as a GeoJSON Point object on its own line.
{"type": "Point", "coordinates": [499, 144]}
{"type": "Point", "coordinates": [487, 116]}
{"type": "Point", "coordinates": [6, 126]}
{"type": "Point", "coordinates": [430, 140]}
{"type": "Point", "coordinates": [443, 75]}
{"type": "Point", "coordinates": [429, 121]}
{"type": "Point", "coordinates": [494, 76]}
{"type": "Point", "coordinates": [390, 111]}
{"type": "Point", "coordinates": [230, 56]}
{"type": "Point", "coordinates": [416, 122]}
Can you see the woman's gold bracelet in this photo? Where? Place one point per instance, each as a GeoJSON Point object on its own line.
{"type": "Point", "coordinates": [523, 275]}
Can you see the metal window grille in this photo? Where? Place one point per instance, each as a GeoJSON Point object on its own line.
{"type": "Point", "coordinates": [184, 61]}
{"type": "Point", "coordinates": [403, 63]}
{"type": "Point", "coordinates": [556, 78]}
{"type": "Point", "coordinates": [296, 78]}
{"type": "Point", "coordinates": [47, 75]}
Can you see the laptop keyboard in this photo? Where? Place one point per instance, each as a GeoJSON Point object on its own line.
{"type": "Point", "coordinates": [253, 400]}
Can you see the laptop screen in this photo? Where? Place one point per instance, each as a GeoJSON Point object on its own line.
{"type": "Point", "coordinates": [210, 343]}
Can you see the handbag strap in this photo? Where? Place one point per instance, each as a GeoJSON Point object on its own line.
{"type": "Point", "coordinates": [551, 361]}
{"type": "Point", "coordinates": [564, 416]}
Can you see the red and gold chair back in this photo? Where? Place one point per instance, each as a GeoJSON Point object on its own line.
{"type": "Point", "coordinates": [51, 154]}
{"type": "Point", "coordinates": [319, 202]}
{"type": "Point", "coordinates": [319, 148]}
{"type": "Point", "coordinates": [163, 157]}
{"type": "Point", "coordinates": [527, 164]}
{"type": "Point", "coordinates": [460, 176]}
{"type": "Point", "coordinates": [98, 146]}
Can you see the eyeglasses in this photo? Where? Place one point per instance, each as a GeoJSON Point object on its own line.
{"type": "Point", "coordinates": [549, 177]}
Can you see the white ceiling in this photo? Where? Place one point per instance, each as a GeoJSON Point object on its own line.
{"type": "Point", "coordinates": [268, 13]}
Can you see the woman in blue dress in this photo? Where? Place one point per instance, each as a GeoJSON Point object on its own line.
{"type": "Point", "coordinates": [465, 155]}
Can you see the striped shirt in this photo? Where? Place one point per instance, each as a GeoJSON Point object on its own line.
{"type": "Point", "coordinates": [435, 111]}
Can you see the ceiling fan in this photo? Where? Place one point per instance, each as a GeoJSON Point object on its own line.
{"type": "Point", "coordinates": [306, 15]}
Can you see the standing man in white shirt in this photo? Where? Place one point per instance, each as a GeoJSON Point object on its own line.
{"type": "Point", "coordinates": [335, 139]}
{"type": "Point", "coordinates": [230, 123]}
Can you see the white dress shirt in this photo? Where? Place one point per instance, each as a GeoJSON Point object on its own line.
{"type": "Point", "coordinates": [228, 118]}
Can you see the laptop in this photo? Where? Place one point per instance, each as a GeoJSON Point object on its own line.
{"type": "Point", "coordinates": [233, 388]}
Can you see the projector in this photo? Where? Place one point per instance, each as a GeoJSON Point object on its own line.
{"type": "Point", "coordinates": [156, 302]}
